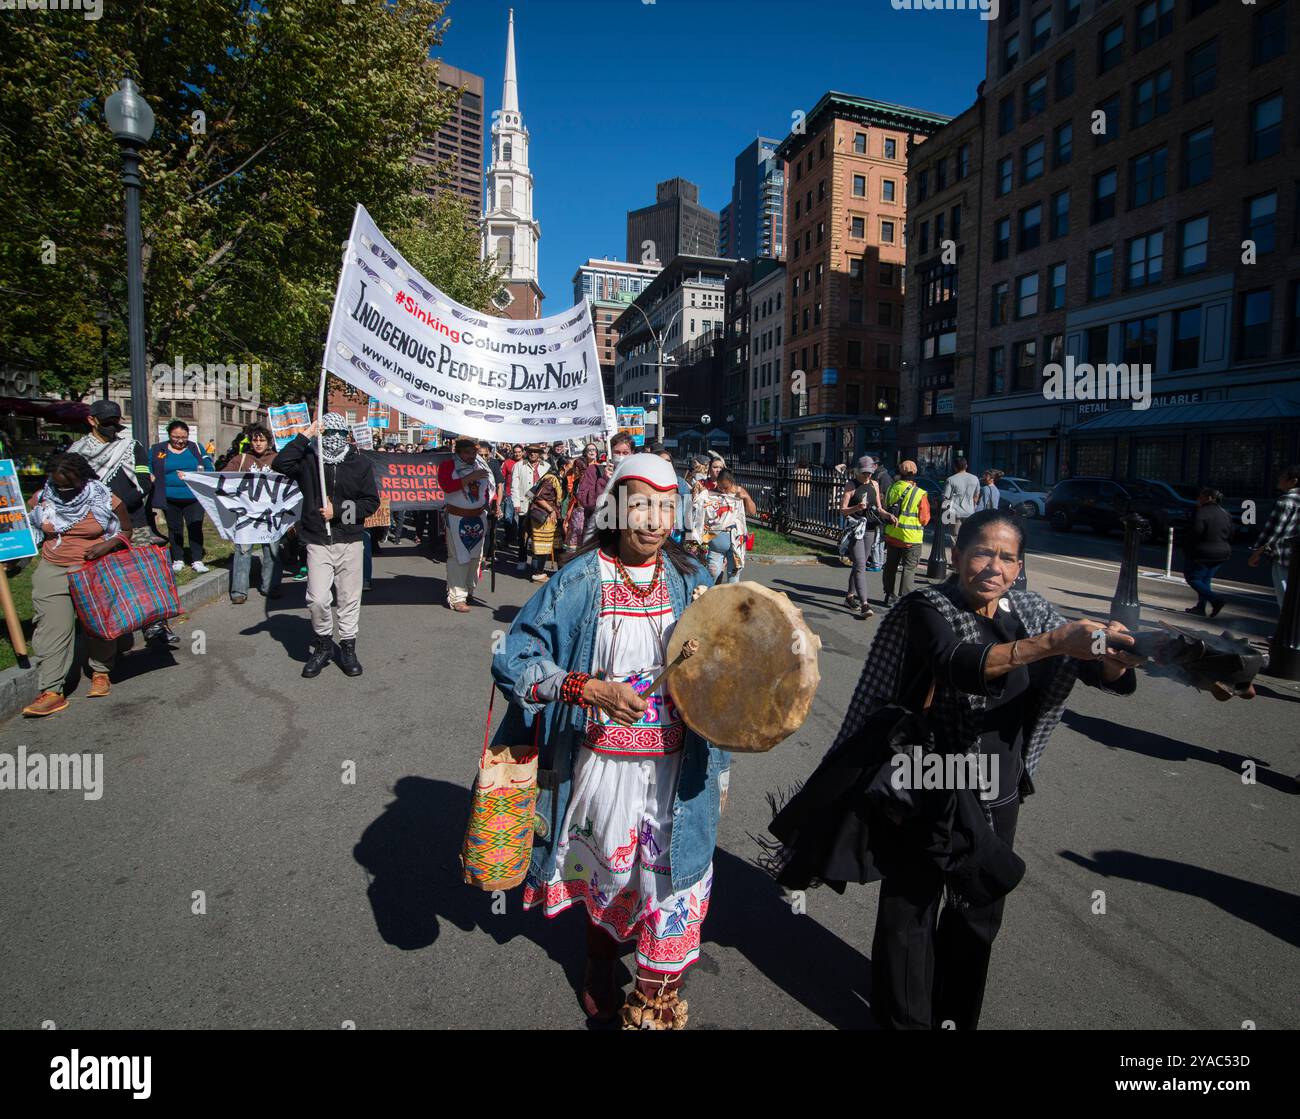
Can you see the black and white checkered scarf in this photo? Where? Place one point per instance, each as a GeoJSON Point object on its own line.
{"type": "Point", "coordinates": [955, 715]}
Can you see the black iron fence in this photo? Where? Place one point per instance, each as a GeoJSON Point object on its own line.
{"type": "Point", "coordinates": [795, 498]}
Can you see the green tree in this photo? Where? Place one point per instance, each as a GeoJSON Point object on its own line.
{"type": "Point", "coordinates": [273, 122]}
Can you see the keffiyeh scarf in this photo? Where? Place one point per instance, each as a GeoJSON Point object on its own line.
{"type": "Point", "coordinates": [57, 516]}
{"type": "Point", "coordinates": [334, 438]}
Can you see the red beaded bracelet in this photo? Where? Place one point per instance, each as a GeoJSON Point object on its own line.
{"type": "Point", "coordinates": [571, 689]}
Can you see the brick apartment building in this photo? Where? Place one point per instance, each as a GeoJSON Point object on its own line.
{"type": "Point", "coordinates": [458, 144]}
{"type": "Point", "coordinates": [846, 189]}
{"type": "Point", "coordinates": [939, 368]}
{"type": "Point", "coordinates": [1130, 150]}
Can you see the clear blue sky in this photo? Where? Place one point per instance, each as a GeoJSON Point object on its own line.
{"type": "Point", "coordinates": [619, 95]}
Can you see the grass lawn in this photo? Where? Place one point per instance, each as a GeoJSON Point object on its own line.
{"type": "Point", "coordinates": [769, 543]}
{"type": "Point", "coordinates": [217, 553]}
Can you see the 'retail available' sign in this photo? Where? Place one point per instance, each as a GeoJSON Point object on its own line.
{"type": "Point", "coordinates": [248, 507]}
{"type": "Point", "coordinates": [396, 337]}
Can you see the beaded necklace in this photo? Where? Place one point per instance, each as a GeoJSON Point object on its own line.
{"type": "Point", "coordinates": [635, 589]}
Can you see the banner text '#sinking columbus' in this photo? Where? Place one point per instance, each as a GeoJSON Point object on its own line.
{"type": "Point", "coordinates": [396, 337]}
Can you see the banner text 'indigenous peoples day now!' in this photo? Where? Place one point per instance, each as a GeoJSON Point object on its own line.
{"type": "Point", "coordinates": [396, 337]}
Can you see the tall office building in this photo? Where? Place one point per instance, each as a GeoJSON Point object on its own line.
{"type": "Point", "coordinates": [752, 224]}
{"type": "Point", "coordinates": [459, 142]}
{"type": "Point", "coordinates": [846, 184]}
{"type": "Point", "coordinates": [610, 285]}
{"type": "Point", "coordinates": [1140, 211]}
{"type": "Point", "coordinates": [675, 224]}
{"type": "Point", "coordinates": [510, 232]}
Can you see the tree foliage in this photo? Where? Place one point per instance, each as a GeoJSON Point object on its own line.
{"type": "Point", "coordinates": [272, 122]}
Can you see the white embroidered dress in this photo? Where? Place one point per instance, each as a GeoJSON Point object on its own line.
{"type": "Point", "coordinates": [612, 850]}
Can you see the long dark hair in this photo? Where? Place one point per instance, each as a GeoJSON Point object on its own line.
{"type": "Point", "coordinates": [606, 539]}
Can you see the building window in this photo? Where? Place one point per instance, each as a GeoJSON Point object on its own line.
{"type": "Point", "coordinates": [1031, 227]}
{"type": "Point", "coordinates": [925, 237]}
{"type": "Point", "coordinates": [963, 161]}
{"type": "Point", "coordinates": [1110, 122]}
{"type": "Point", "coordinates": [891, 148]}
{"type": "Point", "coordinates": [1110, 48]}
{"type": "Point", "coordinates": [1027, 295]}
{"type": "Point", "coordinates": [1053, 349]}
{"type": "Point", "coordinates": [1056, 287]}
{"type": "Point", "coordinates": [884, 314]}
{"type": "Point", "coordinates": [1031, 161]}
{"type": "Point", "coordinates": [1024, 362]}
{"type": "Point", "coordinates": [1270, 34]}
{"type": "Point", "coordinates": [1147, 177]}
{"type": "Point", "coordinates": [1193, 245]}
{"type": "Point", "coordinates": [821, 191]}
{"type": "Point", "coordinates": [853, 355]}
{"type": "Point", "coordinates": [1060, 214]}
{"type": "Point", "coordinates": [1063, 144]}
{"type": "Point", "coordinates": [1103, 195]}
{"type": "Point", "coordinates": [1266, 127]}
{"type": "Point", "coordinates": [1010, 53]}
{"type": "Point", "coordinates": [1140, 337]}
{"type": "Point", "coordinates": [855, 310]}
{"type": "Point", "coordinates": [817, 314]}
{"type": "Point", "coordinates": [1065, 76]}
{"type": "Point", "coordinates": [798, 208]}
{"type": "Point", "coordinates": [1186, 339]}
{"type": "Point", "coordinates": [1254, 319]}
{"type": "Point", "coordinates": [956, 221]}
{"type": "Point", "coordinates": [1001, 295]}
{"type": "Point", "coordinates": [1202, 70]}
{"type": "Point", "coordinates": [821, 231]}
{"type": "Point", "coordinates": [1155, 20]}
{"type": "Point", "coordinates": [858, 228]}
{"type": "Point", "coordinates": [997, 370]}
{"type": "Point", "coordinates": [882, 356]}
{"type": "Point", "coordinates": [1002, 238]}
{"type": "Point", "coordinates": [940, 175]}
{"type": "Point", "coordinates": [1198, 155]}
{"type": "Point", "coordinates": [1152, 97]}
{"type": "Point", "coordinates": [1101, 265]}
{"type": "Point", "coordinates": [885, 275]}
{"type": "Point", "coordinates": [1006, 114]}
{"type": "Point", "coordinates": [1035, 97]}
{"type": "Point", "coordinates": [1261, 219]}
{"type": "Point", "coordinates": [938, 230]}
{"type": "Point", "coordinates": [859, 187]}
{"type": "Point", "coordinates": [1005, 172]}
{"type": "Point", "coordinates": [888, 190]}
{"type": "Point", "coordinates": [819, 272]}
{"type": "Point", "coordinates": [1098, 345]}
{"type": "Point", "coordinates": [1293, 344]}
{"type": "Point", "coordinates": [886, 232]}
{"type": "Point", "coordinates": [923, 186]}
{"type": "Point", "coordinates": [1040, 31]}
{"type": "Point", "coordinates": [860, 143]}
{"type": "Point", "coordinates": [1072, 13]}
{"type": "Point", "coordinates": [1146, 256]}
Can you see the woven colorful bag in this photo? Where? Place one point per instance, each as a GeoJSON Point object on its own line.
{"type": "Point", "coordinates": [124, 591]}
{"type": "Point", "coordinates": [499, 838]}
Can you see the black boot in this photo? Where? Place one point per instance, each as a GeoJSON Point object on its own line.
{"type": "Point", "coordinates": [322, 652]}
{"type": "Point", "coordinates": [348, 658]}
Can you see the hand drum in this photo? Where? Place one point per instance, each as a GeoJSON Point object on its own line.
{"type": "Point", "coordinates": [752, 681]}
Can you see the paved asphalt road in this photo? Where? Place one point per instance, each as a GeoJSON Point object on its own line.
{"type": "Point", "coordinates": [329, 902]}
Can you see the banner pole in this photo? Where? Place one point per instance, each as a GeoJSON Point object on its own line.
{"type": "Point", "coordinates": [11, 621]}
{"type": "Point", "coordinates": [320, 395]}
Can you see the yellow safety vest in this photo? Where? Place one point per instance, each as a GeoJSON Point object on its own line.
{"type": "Point", "coordinates": [909, 529]}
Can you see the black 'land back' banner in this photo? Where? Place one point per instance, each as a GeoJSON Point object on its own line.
{"type": "Point", "coordinates": [409, 481]}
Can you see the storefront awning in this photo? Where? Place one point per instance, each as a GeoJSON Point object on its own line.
{"type": "Point", "coordinates": [1212, 412]}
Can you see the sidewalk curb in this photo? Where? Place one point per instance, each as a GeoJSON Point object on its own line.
{"type": "Point", "coordinates": [802, 557]}
{"type": "Point", "coordinates": [18, 685]}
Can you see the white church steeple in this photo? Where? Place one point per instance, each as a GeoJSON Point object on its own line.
{"type": "Point", "coordinates": [510, 232]}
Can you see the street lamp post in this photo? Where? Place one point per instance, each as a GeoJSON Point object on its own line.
{"type": "Point", "coordinates": [102, 317]}
{"type": "Point", "coordinates": [659, 347]}
{"type": "Point", "coordinates": [129, 116]}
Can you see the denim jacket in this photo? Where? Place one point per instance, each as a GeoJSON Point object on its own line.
{"type": "Point", "coordinates": [556, 631]}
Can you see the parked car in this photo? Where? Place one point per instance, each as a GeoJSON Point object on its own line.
{"type": "Point", "coordinates": [1023, 495]}
{"type": "Point", "coordinates": [1101, 503]}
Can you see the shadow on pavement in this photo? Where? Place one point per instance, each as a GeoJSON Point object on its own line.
{"type": "Point", "coordinates": [410, 854]}
{"type": "Point", "coordinates": [1168, 749]}
{"type": "Point", "coordinates": [1274, 911]}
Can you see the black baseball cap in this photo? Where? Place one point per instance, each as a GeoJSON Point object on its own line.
{"type": "Point", "coordinates": [106, 411]}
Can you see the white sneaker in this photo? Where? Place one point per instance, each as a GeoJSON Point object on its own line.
{"type": "Point", "coordinates": [178, 565]}
{"type": "Point", "coordinates": [199, 566]}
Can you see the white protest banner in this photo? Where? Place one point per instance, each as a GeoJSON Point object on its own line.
{"type": "Point", "coordinates": [248, 507]}
{"type": "Point", "coordinates": [395, 336]}
{"type": "Point", "coordinates": [363, 434]}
